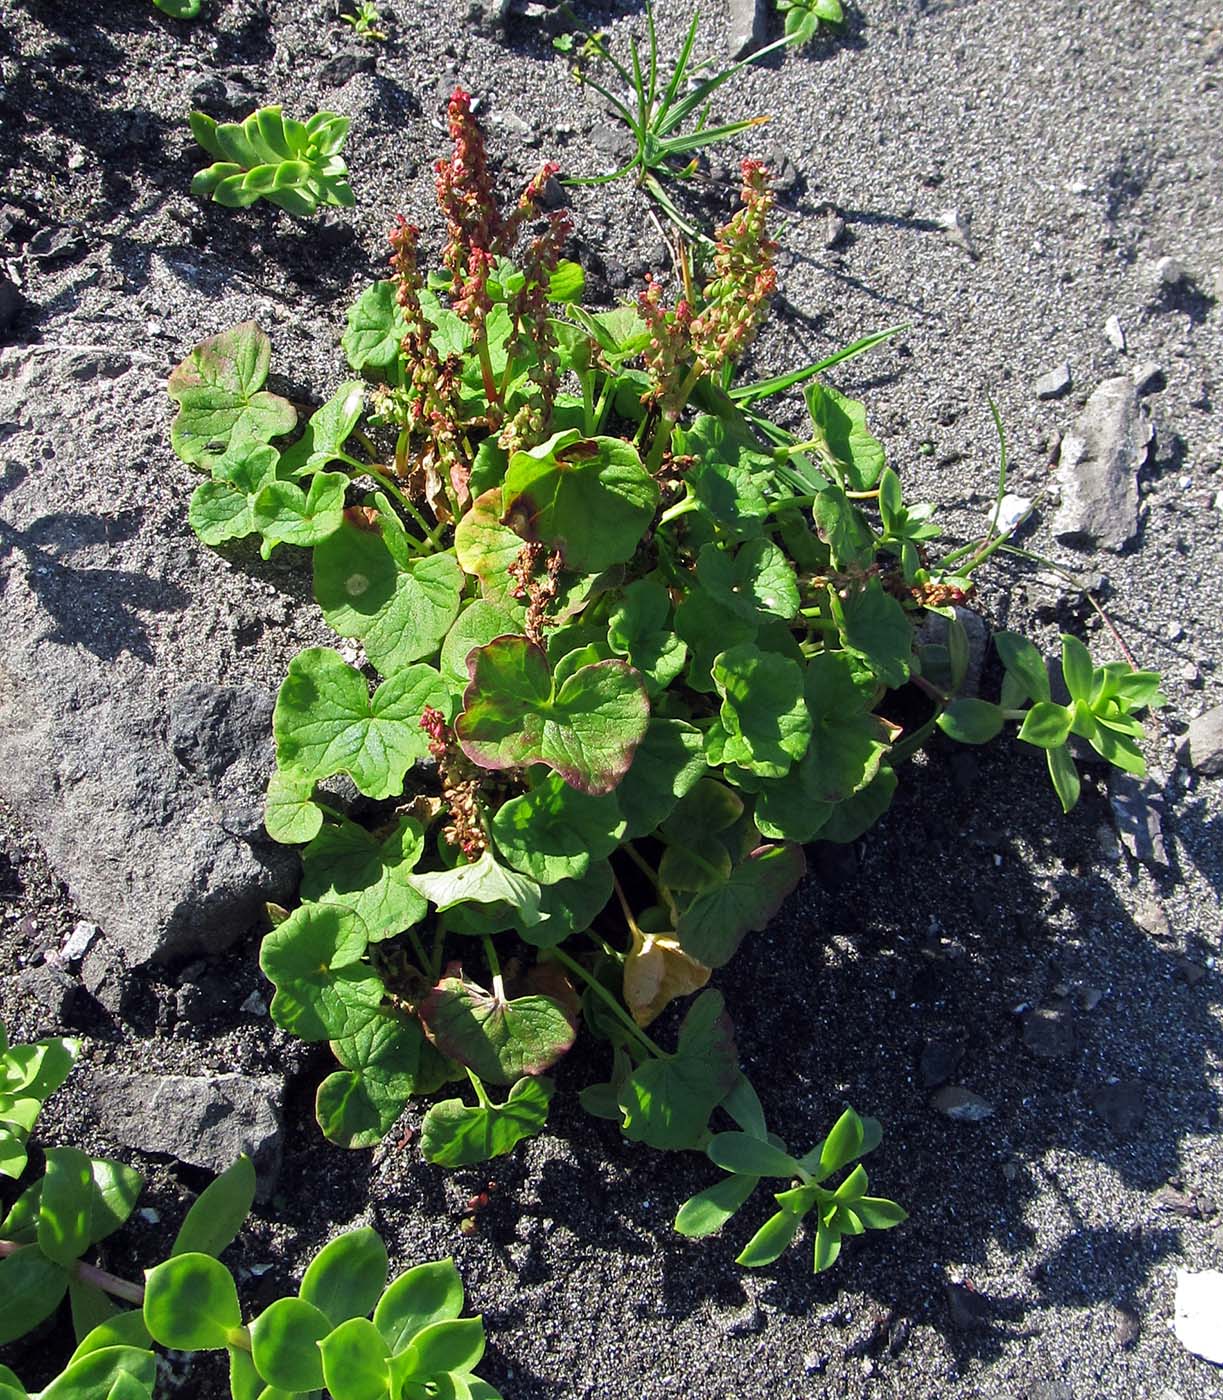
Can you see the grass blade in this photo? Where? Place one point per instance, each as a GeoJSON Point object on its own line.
{"type": "Point", "coordinates": [747, 394]}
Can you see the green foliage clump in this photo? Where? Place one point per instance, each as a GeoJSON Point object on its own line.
{"type": "Point", "coordinates": [626, 645]}
{"type": "Point", "coordinates": [804, 17]}
{"type": "Point", "coordinates": [296, 165]}
{"type": "Point", "coordinates": [416, 1344]}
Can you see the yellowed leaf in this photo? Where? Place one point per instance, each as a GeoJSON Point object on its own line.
{"type": "Point", "coordinates": [656, 972]}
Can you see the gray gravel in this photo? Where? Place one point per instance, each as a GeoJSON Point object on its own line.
{"type": "Point", "coordinates": [1004, 177]}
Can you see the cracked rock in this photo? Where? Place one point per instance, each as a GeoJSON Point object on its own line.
{"type": "Point", "coordinates": [1098, 468]}
{"type": "Point", "coordinates": [205, 1122]}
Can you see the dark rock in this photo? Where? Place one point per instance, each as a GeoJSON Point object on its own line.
{"type": "Point", "coordinates": [1203, 747]}
{"type": "Point", "coordinates": [745, 27]}
{"type": "Point", "coordinates": [1122, 1106]}
{"type": "Point", "coordinates": [51, 245]}
{"type": "Point", "coordinates": [11, 302]}
{"type": "Point", "coordinates": [612, 140]}
{"type": "Point", "coordinates": [1126, 1327]}
{"type": "Point", "coordinates": [1048, 1031]}
{"type": "Point", "coordinates": [1137, 810]}
{"type": "Point", "coordinates": [1098, 469]}
{"type": "Point", "coordinates": [205, 1122]}
{"type": "Point", "coordinates": [53, 991]}
{"type": "Point", "coordinates": [554, 195]}
{"type": "Point", "coordinates": [784, 175]}
{"type": "Point", "coordinates": [933, 632]}
{"type": "Point", "coordinates": [1179, 1202]}
{"type": "Point", "coordinates": [970, 1311]}
{"type": "Point", "coordinates": [224, 96]}
{"type": "Point", "coordinates": [939, 1061]}
{"type": "Point", "coordinates": [835, 234]}
{"type": "Point", "coordinates": [1188, 971]}
{"type": "Point", "coordinates": [962, 1104]}
{"type": "Point", "coordinates": [344, 66]}
{"type": "Point", "coordinates": [204, 996]}
{"type": "Point", "coordinates": [1054, 384]}
{"type": "Point", "coordinates": [106, 978]}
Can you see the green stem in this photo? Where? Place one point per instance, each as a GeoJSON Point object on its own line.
{"type": "Point", "coordinates": [684, 507]}
{"type": "Point", "coordinates": [88, 1273]}
{"type": "Point", "coordinates": [419, 949]}
{"type": "Point", "coordinates": [380, 474]}
{"type": "Point", "coordinates": [604, 399]}
{"type": "Point", "coordinates": [435, 962]}
{"type": "Point", "coordinates": [485, 1101]}
{"type": "Point", "coordinates": [494, 966]}
{"type": "Point", "coordinates": [611, 1003]}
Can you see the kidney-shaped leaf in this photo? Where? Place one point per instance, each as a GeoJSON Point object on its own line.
{"type": "Point", "coordinates": [219, 391]}
{"type": "Point", "coordinates": [326, 722]}
{"type": "Point", "coordinates": [586, 729]}
{"type": "Point", "coordinates": [713, 925]}
{"type": "Point", "coordinates": [324, 990]}
{"type": "Point", "coordinates": [355, 1360]}
{"type": "Point", "coordinates": [454, 1135]}
{"type": "Point", "coordinates": [554, 831]}
{"type": "Point", "coordinates": [590, 498]}
{"type": "Point", "coordinates": [500, 1039]}
{"type": "Point", "coordinates": [346, 865]}
{"type": "Point", "coordinates": [666, 1103]}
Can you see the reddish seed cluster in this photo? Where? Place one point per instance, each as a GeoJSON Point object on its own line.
{"type": "Point", "coordinates": [460, 785]}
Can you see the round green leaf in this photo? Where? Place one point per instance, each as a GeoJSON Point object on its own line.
{"type": "Point", "coordinates": [218, 391]}
{"type": "Point", "coordinates": [324, 990]}
{"type": "Point", "coordinates": [285, 514]}
{"type": "Point", "coordinates": [586, 729]}
{"type": "Point", "coordinates": [666, 764]}
{"type": "Point", "coordinates": [421, 1296]}
{"type": "Point", "coordinates": [763, 710]}
{"type": "Point", "coordinates": [290, 815]}
{"type": "Point", "coordinates": [486, 548]}
{"type": "Point", "coordinates": [326, 722]}
{"type": "Point", "coordinates": [346, 1277]}
{"type": "Point", "coordinates": [284, 1344]}
{"type": "Point", "coordinates": [376, 328]}
{"type": "Point", "coordinates": [354, 1361]}
{"type": "Point", "coordinates": [478, 624]}
{"type": "Point", "coordinates": [1047, 725]}
{"type": "Point", "coordinates": [344, 864]}
{"type": "Point", "coordinates": [590, 498]}
{"type": "Point", "coordinates": [756, 582]}
{"type": "Point", "coordinates": [571, 906]}
{"type": "Point", "coordinates": [499, 1039]}
{"type": "Point", "coordinates": [553, 832]}
{"type": "Point", "coordinates": [111, 1373]}
{"type": "Point", "coordinates": [400, 610]}
{"type": "Point", "coordinates": [191, 1304]}
{"type": "Point", "coordinates": [455, 1135]}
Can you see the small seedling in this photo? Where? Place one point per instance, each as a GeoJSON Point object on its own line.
{"type": "Point", "coordinates": [656, 112]}
{"type": "Point", "coordinates": [417, 1342]}
{"type": "Point", "coordinates": [803, 18]}
{"type": "Point", "coordinates": [270, 156]}
{"type": "Point", "coordinates": [180, 9]}
{"type": "Point", "coordinates": [364, 22]}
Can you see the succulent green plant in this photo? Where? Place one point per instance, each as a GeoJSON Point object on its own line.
{"type": "Point", "coordinates": [270, 156]}
{"type": "Point", "coordinates": [803, 18]}
{"type": "Point", "coordinates": [416, 1345]}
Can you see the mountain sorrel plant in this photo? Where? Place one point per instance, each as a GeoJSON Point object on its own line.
{"type": "Point", "coordinates": [632, 645]}
{"type": "Point", "coordinates": [416, 1345]}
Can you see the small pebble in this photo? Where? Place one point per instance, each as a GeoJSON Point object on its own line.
{"type": "Point", "coordinates": [1167, 272]}
{"type": "Point", "coordinates": [1115, 333]}
{"type": "Point", "coordinates": [1054, 384]}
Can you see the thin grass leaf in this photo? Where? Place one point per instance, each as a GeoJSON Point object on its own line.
{"type": "Point", "coordinates": [747, 394]}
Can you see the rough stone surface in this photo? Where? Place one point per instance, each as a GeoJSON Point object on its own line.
{"type": "Point", "coordinates": [745, 27]}
{"type": "Point", "coordinates": [1204, 743]}
{"type": "Point", "coordinates": [205, 1122]}
{"type": "Point", "coordinates": [1053, 384]}
{"type": "Point", "coordinates": [1122, 1106]}
{"type": "Point", "coordinates": [1048, 1031]}
{"type": "Point", "coordinates": [1098, 469]}
{"type": "Point", "coordinates": [141, 783]}
{"type": "Point", "coordinates": [1137, 806]}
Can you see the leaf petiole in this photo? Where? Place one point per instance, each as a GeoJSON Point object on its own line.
{"type": "Point", "coordinates": [612, 1004]}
